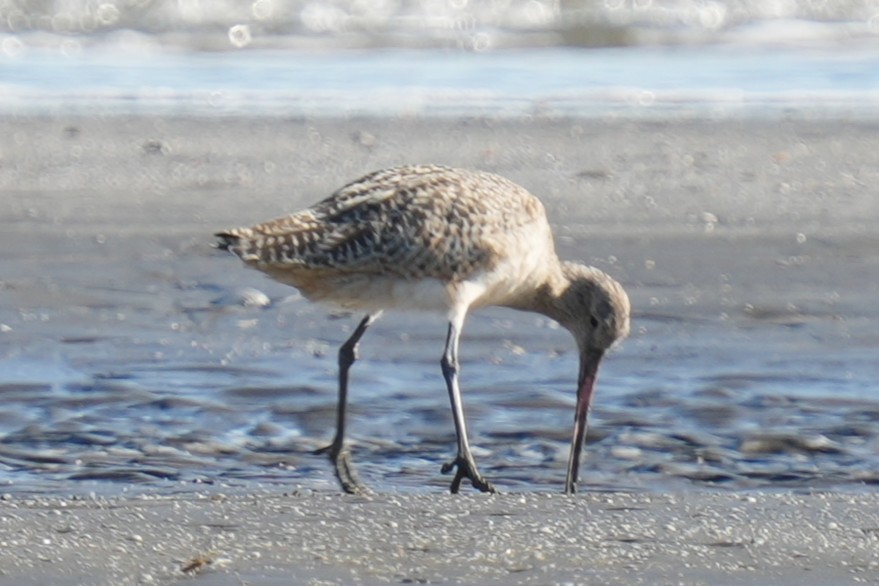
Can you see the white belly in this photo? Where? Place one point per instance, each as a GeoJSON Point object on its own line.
{"type": "Point", "coordinates": [373, 293]}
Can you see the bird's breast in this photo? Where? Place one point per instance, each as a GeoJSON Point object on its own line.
{"type": "Point", "coordinates": [371, 292]}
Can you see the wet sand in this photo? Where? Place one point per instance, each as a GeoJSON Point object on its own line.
{"type": "Point", "coordinates": [749, 250]}
{"type": "Point", "coordinates": [263, 538]}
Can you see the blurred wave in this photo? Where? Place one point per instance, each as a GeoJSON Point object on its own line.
{"type": "Point", "coordinates": [439, 57]}
{"type": "Point", "coordinates": [458, 24]}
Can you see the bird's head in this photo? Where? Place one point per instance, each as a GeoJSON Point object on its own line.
{"type": "Point", "coordinates": [593, 307]}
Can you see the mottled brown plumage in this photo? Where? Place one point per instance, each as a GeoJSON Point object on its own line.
{"type": "Point", "coordinates": [411, 222]}
{"type": "Point", "coordinates": [432, 237]}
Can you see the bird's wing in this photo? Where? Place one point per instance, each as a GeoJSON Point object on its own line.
{"type": "Point", "coordinates": [415, 221]}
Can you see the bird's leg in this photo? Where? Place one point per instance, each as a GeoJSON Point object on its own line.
{"type": "Point", "coordinates": [339, 456]}
{"type": "Point", "coordinates": [464, 462]}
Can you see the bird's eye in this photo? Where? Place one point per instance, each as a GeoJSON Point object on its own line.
{"type": "Point", "coordinates": [593, 321]}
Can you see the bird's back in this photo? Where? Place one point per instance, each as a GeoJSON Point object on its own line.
{"type": "Point", "coordinates": [409, 222]}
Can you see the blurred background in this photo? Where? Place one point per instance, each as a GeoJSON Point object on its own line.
{"type": "Point", "coordinates": [501, 57]}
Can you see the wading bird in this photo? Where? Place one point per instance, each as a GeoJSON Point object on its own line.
{"type": "Point", "coordinates": [428, 237]}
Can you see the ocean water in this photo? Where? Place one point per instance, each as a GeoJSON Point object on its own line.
{"type": "Point", "coordinates": [546, 81]}
{"type": "Point", "coordinates": [504, 58]}
{"type": "Point", "coordinates": [140, 410]}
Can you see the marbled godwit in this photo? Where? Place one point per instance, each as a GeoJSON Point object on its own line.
{"type": "Point", "coordinates": [431, 237]}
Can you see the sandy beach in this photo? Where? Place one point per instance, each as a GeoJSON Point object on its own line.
{"type": "Point", "coordinates": [692, 538]}
{"type": "Point", "coordinates": [749, 250]}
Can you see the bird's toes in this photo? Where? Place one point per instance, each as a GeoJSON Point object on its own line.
{"type": "Point", "coordinates": [466, 469]}
{"type": "Point", "coordinates": [347, 477]}
{"type": "Point", "coordinates": [322, 451]}
{"type": "Point", "coordinates": [484, 485]}
{"type": "Point", "coordinates": [345, 473]}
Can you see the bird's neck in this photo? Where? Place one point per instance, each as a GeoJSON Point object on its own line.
{"type": "Point", "coordinates": [545, 297]}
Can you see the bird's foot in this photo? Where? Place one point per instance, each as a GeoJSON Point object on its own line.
{"type": "Point", "coordinates": [345, 472]}
{"type": "Point", "coordinates": [466, 468]}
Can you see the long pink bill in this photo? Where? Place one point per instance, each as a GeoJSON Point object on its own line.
{"type": "Point", "coordinates": [589, 361]}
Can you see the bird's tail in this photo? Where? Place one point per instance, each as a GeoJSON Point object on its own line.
{"type": "Point", "coordinates": [227, 240]}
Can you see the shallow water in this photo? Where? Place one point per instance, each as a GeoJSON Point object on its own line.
{"type": "Point", "coordinates": [651, 82]}
{"type": "Point", "coordinates": [182, 385]}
